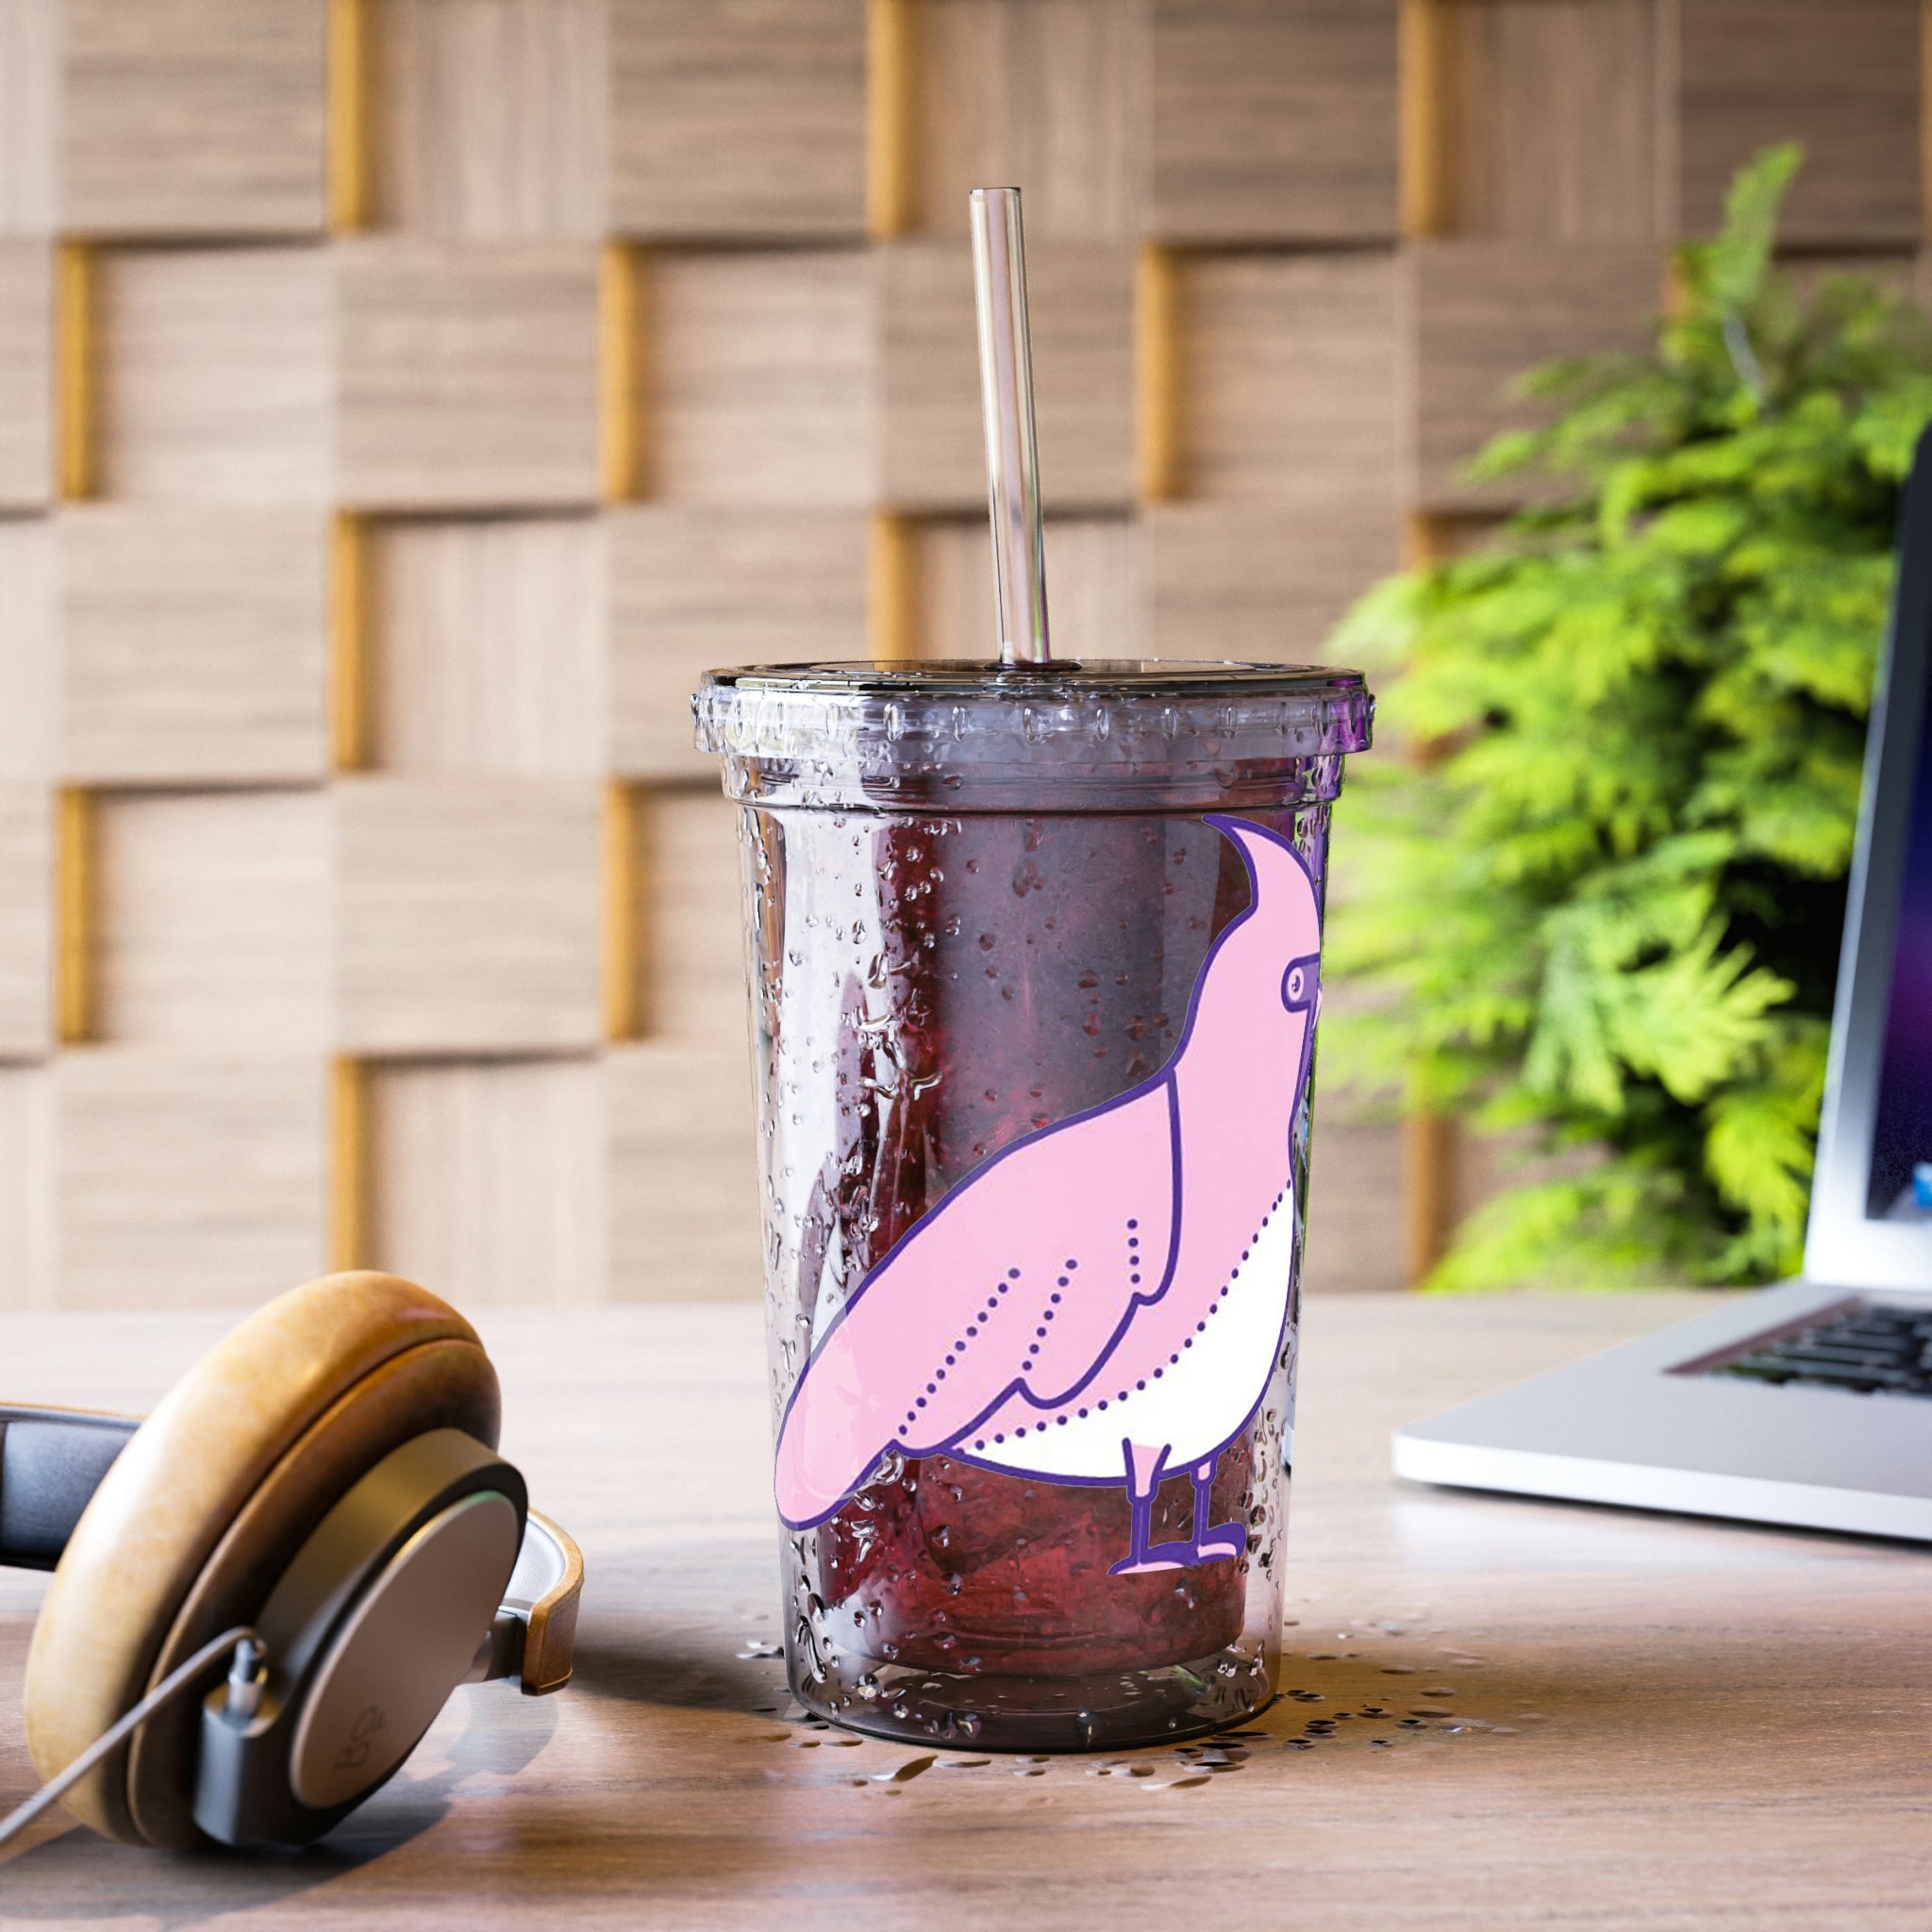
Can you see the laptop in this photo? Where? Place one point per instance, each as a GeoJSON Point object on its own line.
{"type": "Point", "coordinates": [1810, 1403]}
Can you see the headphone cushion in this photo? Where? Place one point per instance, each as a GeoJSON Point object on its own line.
{"type": "Point", "coordinates": [210, 1500]}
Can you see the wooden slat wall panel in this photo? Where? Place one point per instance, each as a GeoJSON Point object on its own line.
{"type": "Point", "coordinates": [1248, 580]}
{"type": "Point", "coordinates": [490, 118]}
{"type": "Point", "coordinates": [1557, 137]}
{"type": "Point", "coordinates": [184, 1179]}
{"type": "Point", "coordinates": [467, 914]}
{"type": "Point", "coordinates": [1274, 120]}
{"type": "Point", "coordinates": [441, 415]}
{"type": "Point", "coordinates": [1901, 274]}
{"type": "Point", "coordinates": [695, 951]}
{"type": "Point", "coordinates": [738, 117]}
{"type": "Point", "coordinates": [26, 925]}
{"type": "Point", "coordinates": [1288, 378]}
{"type": "Point", "coordinates": [192, 643]}
{"type": "Point", "coordinates": [213, 920]}
{"type": "Point", "coordinates": [952, 588]}
{"type": "Point", "coordinates": [194, 117]}
{"type": "Point", "coordinates": [762, 369]}
{"type": "Point", "coordinates": [215, 374]}
{"type": "Point", "coordinates": [26, 374]}
{"type": "Point", "coordinates": [29, 115]}
{"type": "Point", "coordinates": [30, 651]}
{"type": "Point", "coordinates": [684, 1196]}
{"type": "Point", "coordinates": [1482, 312]}
{"type": "Point", "coordinates": [1843, 77]}
{"type": "Point", "coordinates": [28, 1275]}
{"type": "Point", "coordinates": [488, 640]}
{"type": "Point", "coordinates": [1081, 299]}
{"type": "Point", "coordinates": [1355, 1206]}
{"type": "Point", "coordinates": [696, 588]}
{"type": "Point", "coordinates": [1045, 93]}
{"type": "Point", "coordinates": [467, 375]}
{"type": "Point", "coordinates": [493, 1179]}
{"type": "Point", "coordinates": [1092, 581]}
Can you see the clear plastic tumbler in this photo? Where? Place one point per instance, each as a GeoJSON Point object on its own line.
{"type": "Point", "coordinates": [1035, 966]}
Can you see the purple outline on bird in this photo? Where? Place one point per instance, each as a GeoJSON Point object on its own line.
{"type": "Point", "coordinates": [1103, 1301]}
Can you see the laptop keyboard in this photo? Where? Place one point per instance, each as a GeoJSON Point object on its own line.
{"type": "Point", "coordinates": [1871, 1348]}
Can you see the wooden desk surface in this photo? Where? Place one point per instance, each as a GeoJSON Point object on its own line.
{"type": "Point", "coordinates": [1694, 1723]}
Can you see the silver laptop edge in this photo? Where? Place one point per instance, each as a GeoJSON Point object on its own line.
{"type": "Point", "coordinates": [1643, 1425]}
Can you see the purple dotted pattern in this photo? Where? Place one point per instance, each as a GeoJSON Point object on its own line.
{"type": "Point", "coordinates": [1046, 1315]}
{"type": "Point", "coordinates": [960, 1348]}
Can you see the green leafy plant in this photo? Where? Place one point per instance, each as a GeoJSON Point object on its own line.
{"type": "Point", "coordinates": [1606, 910]}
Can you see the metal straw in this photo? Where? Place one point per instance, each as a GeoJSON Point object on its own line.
{"type": "Point", "coordinates": [1006, 391]}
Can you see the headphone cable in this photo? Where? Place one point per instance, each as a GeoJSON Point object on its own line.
{"type": "Point", "coordinates": [243, 1678]}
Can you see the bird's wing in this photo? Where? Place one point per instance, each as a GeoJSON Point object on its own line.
{"type": "Point", "coordinates": [1018, 1283]}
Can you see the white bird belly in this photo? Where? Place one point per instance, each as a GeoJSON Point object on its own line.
{"type": "Point", "coordinates": [1193, 1407]}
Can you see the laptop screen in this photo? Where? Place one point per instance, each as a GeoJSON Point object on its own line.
{"type": "Point", "coordinates": [1901, 1178]}
{"type": "Point", "coordinates": [1871, 1196]}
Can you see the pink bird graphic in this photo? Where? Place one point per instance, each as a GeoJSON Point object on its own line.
{"type": "Point", "coordinates": [1102, 1302]}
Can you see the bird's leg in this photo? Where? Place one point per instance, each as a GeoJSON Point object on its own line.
{"type": "Point", "coordinates": [1225, 1538]}
{"type": "Point", "coordinates": [1204, 1482]}
{"type": "Point", "coordinates": [1143, 1466]}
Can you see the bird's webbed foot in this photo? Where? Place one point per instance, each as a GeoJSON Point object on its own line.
{"type": "Point", "coordinates": [1225, 1540]}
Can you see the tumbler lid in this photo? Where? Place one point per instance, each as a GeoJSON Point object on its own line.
{"type": "Point", "coordinates": [1138, 731]}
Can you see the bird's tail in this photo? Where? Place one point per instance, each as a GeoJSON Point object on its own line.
{"type": "Point", "coordinates": [832, 1433]}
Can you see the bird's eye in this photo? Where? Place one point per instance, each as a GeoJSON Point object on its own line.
{"type": "Point", "coordinates": [1298, 985]}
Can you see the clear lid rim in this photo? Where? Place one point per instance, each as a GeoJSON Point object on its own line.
{"type": "Point", "coordinates": [1122, 679]}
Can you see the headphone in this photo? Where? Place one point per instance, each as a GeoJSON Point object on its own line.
{"type": "Point", "coordinates": [319, 1504]}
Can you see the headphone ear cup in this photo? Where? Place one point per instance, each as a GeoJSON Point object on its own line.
{"type": "Point", "coordinates": [208, 1503]}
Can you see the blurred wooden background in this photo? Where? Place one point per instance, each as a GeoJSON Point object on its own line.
{"type": "Point", "coordinates": [402, 400]}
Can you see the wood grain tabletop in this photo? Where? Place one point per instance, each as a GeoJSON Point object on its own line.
{"type": "Point", "coordinates": [1612, 1720]}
